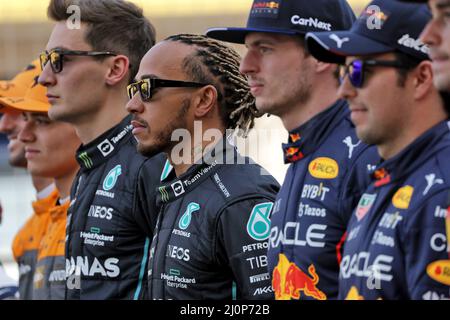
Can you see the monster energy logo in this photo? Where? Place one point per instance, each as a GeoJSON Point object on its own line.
{"type": "Point", "coordinates": [86, 160]}
{"type": "Point", "coordinates": [164, 194]}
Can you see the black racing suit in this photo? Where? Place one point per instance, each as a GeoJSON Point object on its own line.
{"type": "Point", "coordinates": [212, 231]}
{"type": "Point", "coordinates": [111, 218]}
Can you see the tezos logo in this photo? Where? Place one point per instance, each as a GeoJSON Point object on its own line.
{"type": "Point", "coordinates": [258, 225]}
{"type": "Point", "coordinates": [111, 178]}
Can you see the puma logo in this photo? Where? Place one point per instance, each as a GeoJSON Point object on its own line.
{"type": "Point", "coordinates": [338, 40]}
{"type": "Point", "coordinates": [351, 147]}
{"type": "Point", "coordinates": [431, 181]}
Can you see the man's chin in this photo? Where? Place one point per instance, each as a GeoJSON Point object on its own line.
{"type": "Point", "coordinates": [18, 161]}
{"type": "Point", "coordinates": [265, 107]}
{"type": "Point", "coordinates": [56, 113]}
{"type": "Point", "coordinates": [149, 150]}
{"type": "Point", "coordinates": [442, 82]}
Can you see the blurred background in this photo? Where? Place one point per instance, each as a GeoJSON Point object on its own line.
{"type": "Point", "coordinates": [24, 31]}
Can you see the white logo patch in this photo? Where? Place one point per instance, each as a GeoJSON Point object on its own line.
{"type": "Point", "coordinates": [351, 147]}
{"type": "Point", "coordinates": [412, 43]}
{"type": "Point", "coordinates": [431, 181]}
{"type": "Point", "coordinates": [338, 40]}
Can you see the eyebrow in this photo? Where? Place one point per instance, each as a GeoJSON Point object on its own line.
{"type": "Point", "coordinates": [259, 42]}
{"type": "Point", "coordinates": [443, 4]}
{"type": "Point", "coordinates": [149, 76]}
{"type": "Point", "coordinates": [62, 48]}
{"type": "Point", "coordinates": [38, 115]}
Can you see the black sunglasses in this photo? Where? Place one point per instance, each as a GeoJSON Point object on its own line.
{"type": "Point", "coordinates": [146, 86]}
{"type": "Point", "coordinates": [56, 57]}
{"type": "Point", "coordinates": [357, 68]}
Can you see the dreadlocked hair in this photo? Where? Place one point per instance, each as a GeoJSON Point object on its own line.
{"type": "Point", "coordinates": [217, 64]}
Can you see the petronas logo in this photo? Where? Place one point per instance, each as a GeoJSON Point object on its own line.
{"type": "Point", "coordinates": [258, 225]}
{"type": "Point", "coordinates": [87, 161]}
{"type": "Point", "coordinates": [111, 178]}
{"type": "Point", "coordinates": [164, 194]}
{"type": "Point", "coordinates": [185, 220]}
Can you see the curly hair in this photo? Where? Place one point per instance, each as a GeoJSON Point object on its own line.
{"type": "Point", "coordinates": [214, 62]}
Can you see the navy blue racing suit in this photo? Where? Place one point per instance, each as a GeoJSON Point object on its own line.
{"type": "Point", "coordinates": [328, 171]}
{"type": "Point", "coordinates": [397, 244]}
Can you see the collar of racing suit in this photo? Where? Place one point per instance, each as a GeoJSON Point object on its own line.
{"type": "Point", "coordinates": [42, 206]}
{"type": "Point", "coordinates": [59, 211]}
{"type": "Point", "coordinates": [406, 162]}
{"type": "Point", "coordinates": [105, 146]}
{"type": "Point", "coordinates": [308, 137]}
{"type": "Point", "coordinates": [174, 187]}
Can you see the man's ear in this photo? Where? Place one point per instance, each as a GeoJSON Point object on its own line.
{"type": "Point", "coordinates": [118, 69]}
{"type": "Point", "coordinates": [422, 79]}
{"type": "Point", "coordinates": [204, 100]}
{"type": "Point", "coordinates": [322, 66]}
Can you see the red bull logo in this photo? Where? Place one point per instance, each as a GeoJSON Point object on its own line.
{"type": "Point", "coordinates": [289, 280]}
{"type": "Point", "coordinates": [447, 229]}
{"type": "Point", "coordinates": [382, 177]}
{"type": "Point", "coordinates": [295, 137]}
{"type": "Point", "coordinates": [293, 154]}
{"type": "Point", "coordinates": [353, 294]}
{"type": "Point", "coordinates": [266, 5]}
{"type": "Point", "coordinates": [291, 151]}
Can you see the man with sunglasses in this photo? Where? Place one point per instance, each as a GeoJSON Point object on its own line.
{"type": "Point", "coordinates": [328, 162]}
{"type": "Point", "coordinates": [396, 246]}
{"type": "Point", "coordinates": [112, 213]}
{"type": "Point", "coordinates": [211, 237]}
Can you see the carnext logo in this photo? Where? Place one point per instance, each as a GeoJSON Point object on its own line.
{"type": "Point", "coordinates": [311, 22]}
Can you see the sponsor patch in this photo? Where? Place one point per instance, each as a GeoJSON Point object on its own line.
{"type": "Point", "coordinates": [258, 225]}
{"type": "Point", "coordinates": [186, 218]}
{"type": "Point", "coordinates": [402, 197]}
{"type": "Point", "coordinates": [112, 177]}
{"type": "Point", "coordinates": [364, 205]}
{"type": "Point", "coordinates": [440, 271]}
{"type": "Point", "coordinates": [265, 9]}
{"type": "Point", "coordinates": [289, 280]}
{"type": "Point", "coordinates": [323, 168]}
